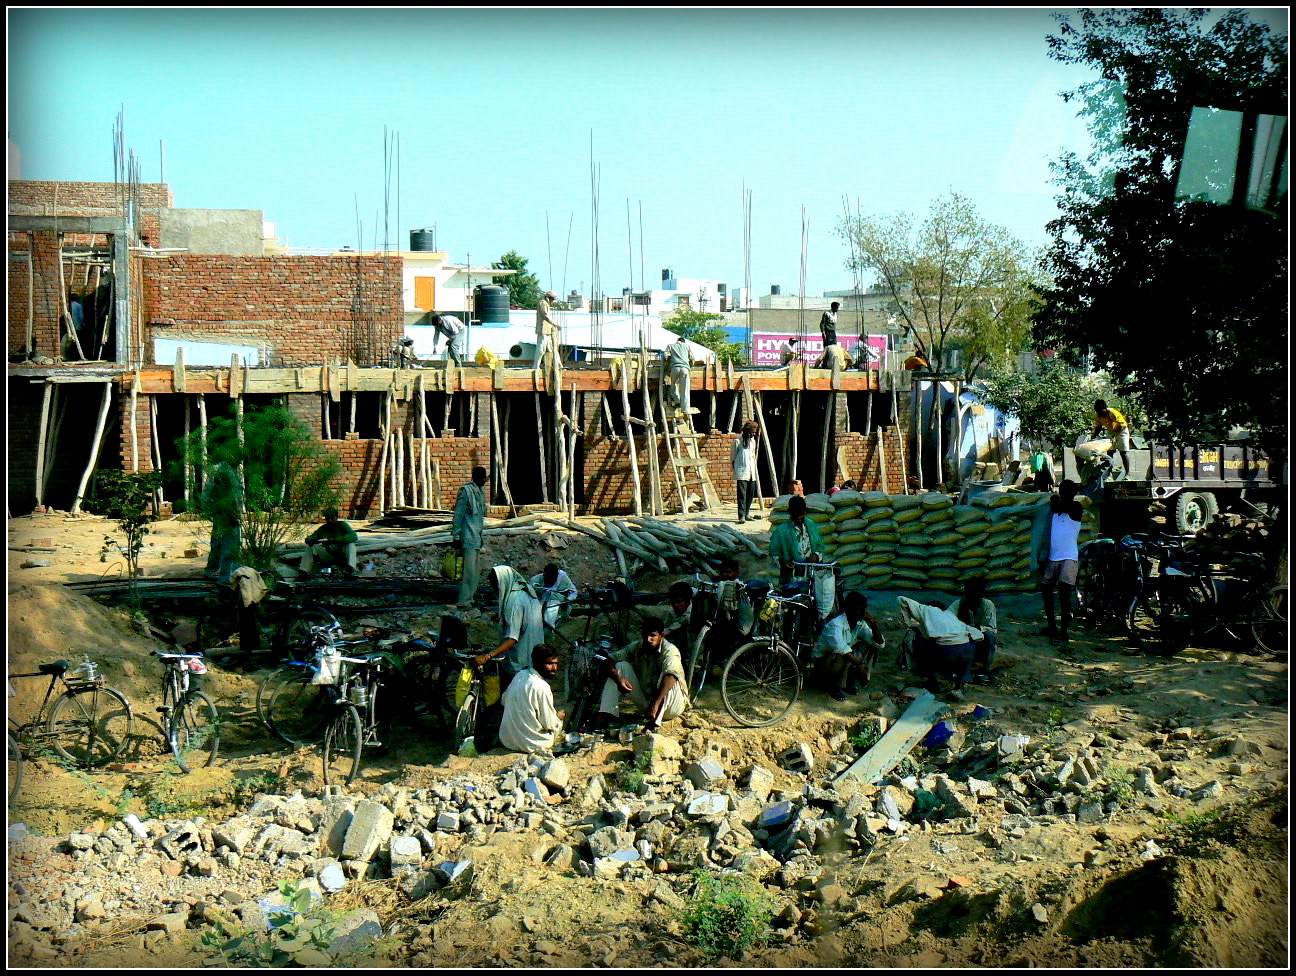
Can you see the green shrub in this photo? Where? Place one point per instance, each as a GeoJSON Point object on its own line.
{"type": "Point", "coordinates": [725, 915]}
{"type": "Point", "coordinates": [300, 925]}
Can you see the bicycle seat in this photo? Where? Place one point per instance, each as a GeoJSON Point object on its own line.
{"type": "Point", "coordinates": [57, 668]}
{"type": "Point", "coordinates": [795, 588]}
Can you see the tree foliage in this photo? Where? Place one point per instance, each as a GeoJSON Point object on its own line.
{"type": "Point", "coordinates": [287, 478]}
{"type": "Point", "coordinates": [956, 278]}
{"type": "Point", "coordinates": [1184, 300]}
{"type": "Point", "coordinates": [524, 287]}
{"type": "Point", "coordinates": [697, 327]}
{"type": "Point", "coordinates": [127, 498]}
{"type": "Point", "coordinates": [1054, 403]}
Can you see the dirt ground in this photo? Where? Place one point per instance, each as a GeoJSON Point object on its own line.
{"type": "Point", "coordinates": [957, 893]}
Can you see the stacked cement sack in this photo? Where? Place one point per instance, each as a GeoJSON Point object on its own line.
{"type": "Point", "coordinates": [926, 542]}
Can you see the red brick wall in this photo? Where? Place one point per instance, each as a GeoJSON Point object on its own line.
{"type": "Point", "coordinates": [47, 307]}
{"type": "Point", "coordinates": [300, 307]}
{"type": "Point", "coordinates": [42, 198]}
{"type": "Point", "coordinates": [862, 457]}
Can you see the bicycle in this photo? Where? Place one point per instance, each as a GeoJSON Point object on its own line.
{"type": "Point", "coordinates": [353, 719]}
{"type": "Point", "coordinates": [190, 721]}
{"type": "Point", "coordinates": [1170, 597]}
{"type": "Point", "coordinates": [719, 604]}
{"type": "Point", "coordinates": [89, 724]}
{"type": "Point", "coordinates": [289, 704]}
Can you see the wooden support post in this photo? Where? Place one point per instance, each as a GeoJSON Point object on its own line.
{"type": "Point", "coordinates": [60, 408]}
{"type": "Point", "coordinates": [657, 503]}
{"type": "Point", "coordinates": [829, 413]}
{"type": "Point", "coordinates": [96, 442]}
{"type": "Point", "coordinates": [711, 412]}
{"type": "Point", "coordinates": [64, 313]}
{"type": "Point", "coordinates": [879, 442]}
{"type": "Point", "coordinates": [918, 425]}
{"type": "Point", "coordinates": [157, 448]}
{"type": "Point", "coordinates": [796, 432]}
{"type": "Point", "coordinates": [574, 432]}
{"type": "Point", "coordinates": [769, 451]}
{"type": "Point", "coordinates": [202, 441]}
{"type": "Point", "coordinates": [134, 434]}
{"type": "Point", "coordinates": [188, 455]}
{"type": "Point", "coordinates": [325, 433]}
{"type": "Point", "coordinates": [501, 454]}
{"type": "Point", "coordinates": [629, 434]}
{"type": "Point", "coordinates": [895, 417]}
{"type": "Point", "coordinates": [383, 415]}
{"type": "Point", "coordinates": [40, 443]}
{"type": "Point", "coordinates": [436, 481]}
{"type": "Point", "coordinates": [733, 406]}
{"type": "Point", "coordinates": [938, 422]}
{"type": "Point", "coordinates": [540, 436]}
{"type": "Point", "coordinates": [868, 413]}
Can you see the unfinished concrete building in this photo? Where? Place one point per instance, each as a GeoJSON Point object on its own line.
{"type": "Point", "coordinates": [159, 286]}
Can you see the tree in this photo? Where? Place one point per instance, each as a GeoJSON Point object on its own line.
{"type": "Point", "coordinates": [1054, 404]}
{"type": "Point", "coordinates": [955, 279]}
{"type": "Point", "coordinates": [287, 477]}
{"type": "Point", "coordinates": [696, 327]}
{"type": "Point", "coordinates": [1182, 299]}
{"type": "Point", "coordinates": [524, 287]}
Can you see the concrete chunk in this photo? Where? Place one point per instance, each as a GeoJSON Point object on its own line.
{"type": "Point", "coordinates": [798, 759]}
{"type": "Point", "coordinates": [758, 780]}
{"type": "Point", "coordinates": [371, 826]}
{"type": "Point", "coordinates": [556, 775]}
{"type": "Point", "coordinates": [705, 775]}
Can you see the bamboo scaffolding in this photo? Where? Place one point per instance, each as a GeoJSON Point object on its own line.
{"type": "Point", "coordinates": [540, 436]}
{"type": "Point", "coordinates": [895, 416]}
{"type": "Point", "coordinates": [96, 444]}
{"type": "Point", "coordinates": [60, 408]}
{"type": "Point", "coordinates": [202, 440]}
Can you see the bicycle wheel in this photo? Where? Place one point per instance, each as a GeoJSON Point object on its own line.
{"type": "Point", "coordinates": [296, 710]}
{"type": "Point", "coordinates": [1160, 621]}
{"type": "Point", "coordinates": [194, 731]}
{"type": "Point", "coordinates": [296, 629]}
{"type": "Point", "coordinates": [14, 770]}
{"type": "Point", "coordinates": [1092, 592]}
{"type": "Point", "coordinates": [1269, 620]}
{"type": "Point", "coordinates": [90, 725]}
{"type": "Point", "coordinates": [699, 663]}
{"type": "Point", "coordinates": [760, 683]}
{"type": "Point", "coordinates": [343, 742]}
{"type": "Point", "coordinates": [465, 726]}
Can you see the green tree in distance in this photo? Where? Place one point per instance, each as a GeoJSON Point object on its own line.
{"type": "Point", "coordinates": [955, 279]}
{"type": "Point", "coordinates": [524, 287]}
{"type": "Point", "coordinates": [698, 327]}
{"type": "Point", "coordinates": [288, 478]}
{"type": "Point", "coordinates": [1185, 301]}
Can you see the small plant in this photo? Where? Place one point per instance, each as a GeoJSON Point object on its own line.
{"type": "Point", "coordinates": [160, 804]}
{"type": "Point", "coordinates": [302, 924]}
{"type": "Point", "coordinates": [1205, 835]}
{"type": "Point", "coordinates": [630, 777]}
{"type": "Point", "coordinates": [866, 738]}
{"type": "Point", "coordinates": [725, 915]}
{"type": "Point", "coordinates": [243, 790]}
{"type": "Point", "coordinates": [1120, 784]}
{"type": "Point", "coordinates": [127, 498]}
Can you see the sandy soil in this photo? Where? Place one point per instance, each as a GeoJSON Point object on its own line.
{"type": "Point", "coordinates": [1218, 715]}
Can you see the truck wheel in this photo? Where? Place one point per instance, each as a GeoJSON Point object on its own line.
{"type": "Point", "coordinates": [1193, 511]}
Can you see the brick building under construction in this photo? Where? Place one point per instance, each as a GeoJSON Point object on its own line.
{"type": "Point", "coordinates": [321, 328]}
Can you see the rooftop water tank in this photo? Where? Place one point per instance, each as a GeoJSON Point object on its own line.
{"type": "Point", "coordinates": [423, 240]}
{"type": "Point", "coordinates": [492, 304]}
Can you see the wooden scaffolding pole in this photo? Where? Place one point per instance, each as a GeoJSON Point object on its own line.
{"type": "Point", "coordinates": [540, 436]}
{"type": "Point", "coordinates": [830, 414]}
{"type": "Point", "coordinates": [40, 443]}
{"type": "Point", "coordinates": [188, 457]}
{"type": "Point", "coordinates": [158, 498]}
{"type": "Point", "coordinates": [64, 314]}
{"type": "Point", "coordinates": [202, 441]}
{"type": "Point", "coordinates": [60, 408]}
{"type": "Point", "coordinates": [96, 444]}
{"type": "Point", "coordinates": [657, 506]}
{"type": "Point", "coordinates": [574, 431]}
{"type": "Point", "coordinates": [385, 415]}
{"type": "Point", "coordinates": [629, 434]}
{"type": "Point", "coordinates": [31, 296]}
{"type": "Point", "coordinates": [769, 451]}
{"type": "Point", "coordinates": [895, 416]}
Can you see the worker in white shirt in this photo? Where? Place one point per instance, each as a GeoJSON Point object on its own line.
{"type": "Point", "coordinates": [848, 647]}
{"type": "Point", "coordinates": [556, 590]}
{"type": "Point", "coordinates": [530, 723]}
{"type": "Point", "coordinates": [547, 356]}
{"type": "Point", "coordinates": [1061, 567]}
{"type": "Point", "coordinates": [789, 353]}
{"type": "Point", "coordinates": [943, 645]}
{"type": "Point", "coordinates": [744, 468]}
{"type": "Point", "coordinates": [455, 335]}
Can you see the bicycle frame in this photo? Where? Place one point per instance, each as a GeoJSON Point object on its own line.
{"type": "Point", "coordinates": [22, 729]}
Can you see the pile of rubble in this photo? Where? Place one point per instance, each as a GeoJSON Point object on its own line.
{"type": "Point", "coordinates": [682, 812]}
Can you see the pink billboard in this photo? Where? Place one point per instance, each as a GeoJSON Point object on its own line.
{"type": "Point", "coordinates": [767, 348]}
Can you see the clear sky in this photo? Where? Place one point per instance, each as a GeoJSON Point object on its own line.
{"type": "Point", "coordinates": [283, 111]}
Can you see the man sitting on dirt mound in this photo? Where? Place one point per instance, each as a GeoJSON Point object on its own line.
{"type": "Point", "coordinates": [332, 544]}
{"type": "Point", "coordinates": [650, 664]}
{"type": "Point", "coordinates": [530, 723]}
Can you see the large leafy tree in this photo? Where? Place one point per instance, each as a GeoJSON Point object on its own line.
{"type": "Point", "coordinates": [524, 287]}
{"type": "Point", "coordinates": [956, 279]}
{"type": "Point", "coordinates": [1184, 300]}
{"type": "Point", "coordinates": [1054, 402]}
{"type": "Point", "coordinates": [699, 327]}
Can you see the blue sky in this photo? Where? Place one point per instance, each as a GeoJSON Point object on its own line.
{"type": "Point", "coordinates": [283, 111]}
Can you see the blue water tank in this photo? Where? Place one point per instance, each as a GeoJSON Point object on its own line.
{"type": "Point", "coordinates": [492, 304]}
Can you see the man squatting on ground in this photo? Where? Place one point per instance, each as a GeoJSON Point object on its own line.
{"type": "Point", "coordinates": [979, 611]}
{"type": "Point", "coordinates": [556, 590]}
{"type": "Point", "coordinates": [332, 544]}
{"type": "Point", "coordinates": [1058, 571]}
{"type": "Point", "coordinates": [744, 469]}
{"type": "Point", "coordinates": [466, 532]}
{"type": "Point", "coordinates": [848, 647]}
{"type": "Point", "coordinates": [530, 723]}
{"type": "Point", "coordinates": [651, 664]}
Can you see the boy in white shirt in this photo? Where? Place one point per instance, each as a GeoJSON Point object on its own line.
{"type": "Point", "coordinates": [1062, 563]}
{"type": "Point", "coordinates": [848, 645]}
{"type": "Point", "coordinates": [555, 589]}
{"type": "Point", "coordinates": [530, 723]}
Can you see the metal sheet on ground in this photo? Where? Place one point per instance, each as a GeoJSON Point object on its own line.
{"type": "Point", "coordinates": [917, 720]}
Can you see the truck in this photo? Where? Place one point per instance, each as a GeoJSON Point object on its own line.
{"type": "Point", "coordinates": [1192, 481]}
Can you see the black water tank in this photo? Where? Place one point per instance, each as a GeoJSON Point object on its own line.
{"type": "Point", "coordinates": [423, 240]}
{"type": "Point", "coordinates": [776, 290]}
{"type": "Point", "coordinates": [492, 303]}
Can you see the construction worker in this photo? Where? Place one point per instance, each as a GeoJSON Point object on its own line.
{"type": "Point", "coordinates": [403, 354]}
{"type": "Point", "coordinates": [679, 361]}
{"type": "Point", "coordinates": [466, 532]}
{"type": "Point", "coordinates": [828, 326]}
{"type": "Point", "coordinates": [790, 353]}
{"type": "Point", "coordinates": [1117, 427]}
{"type": "Point", "coordinates": [547, 355]}
{"type": "Point", "coordinates": [455, 335]}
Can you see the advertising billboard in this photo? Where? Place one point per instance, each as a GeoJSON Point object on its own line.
{"type": "Point", "coordinates": [767, 348]}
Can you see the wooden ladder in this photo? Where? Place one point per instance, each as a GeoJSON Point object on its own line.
{"type": "Point", "coordinates": [687, 463]}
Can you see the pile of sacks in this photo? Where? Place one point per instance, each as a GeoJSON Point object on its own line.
{"type": "Point", "coordinates": [926, 542]}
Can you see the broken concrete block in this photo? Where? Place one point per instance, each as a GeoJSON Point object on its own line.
{"type": "Point", "coordinates": [660, 746]}
{"type": "Point", "coordinates": [182, 842]}
{"type": "Point", "coordinates": [758, 780]}
{"type": "Point", "coordinates": [708, 805]}
{"type": "Point", "coordinates": [798, 759]}
{"type": "Point", "coordinates": [705, 775]}
{"type": "Point", "coordinates": [333, 822]}
{"type": "Point", "coordinates": [956, 804]}
{"type": "Point", "coordinates": [404, 853]}
{"type": "Point", "coordinates": [563, 858]}
{"type": "Point", "coordinates": [371, 826]}
{"type": "Point", "coordinates": [448, 820]}
{"type": "Point", "coordinates": [555, 774]}
{"type": "Point", "coordinates": [607, 840]}
{"type": "Point", "coordinates": [1089, 812]}
{"type": "Point", "coordinates": [354, 932]}
{"type": "Point", "coordinates": [772, 818]}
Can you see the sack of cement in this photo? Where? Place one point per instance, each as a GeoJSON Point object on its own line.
{"type": "Point", "coordinates": [847, 497]}
{"type": "Point", "coordinates": [845, 512]}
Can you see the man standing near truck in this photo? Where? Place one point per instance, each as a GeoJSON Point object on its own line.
{"type": "Point", "coordinates": [1117, 428]}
